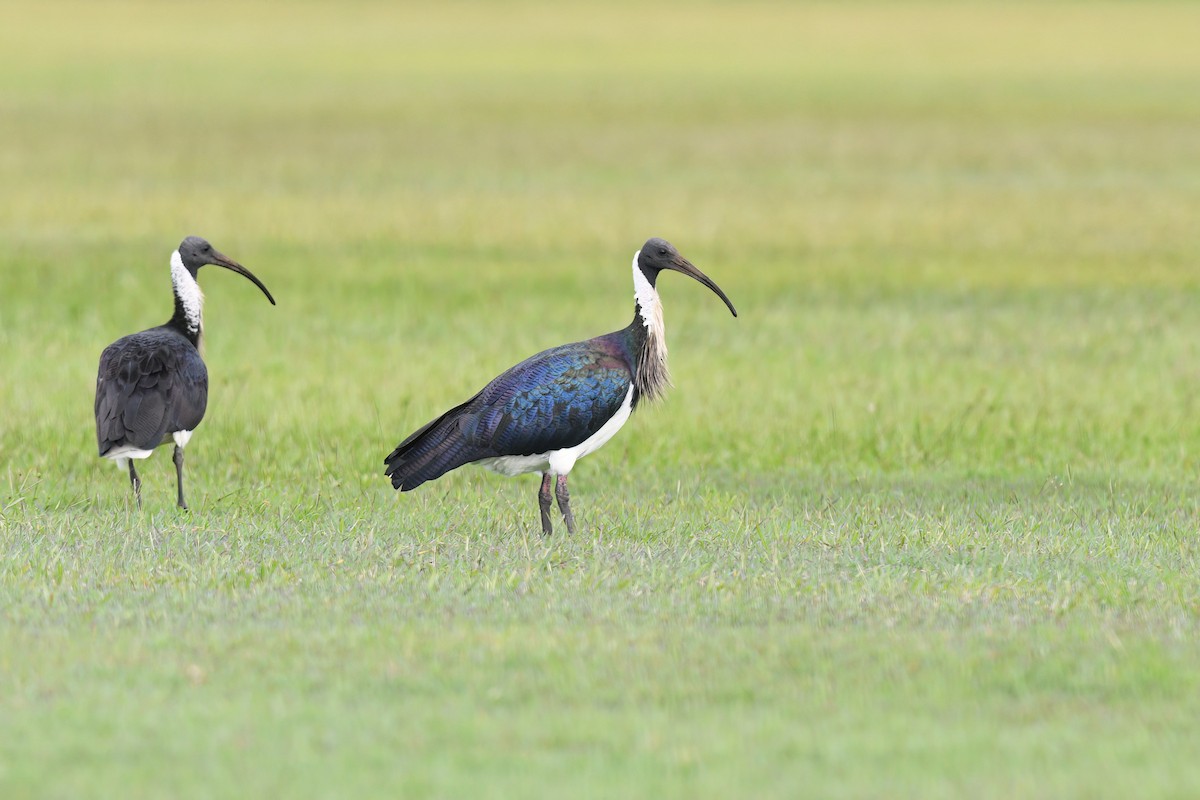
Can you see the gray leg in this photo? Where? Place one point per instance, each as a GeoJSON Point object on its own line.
{"type": "Point", "coordinates": [564, 503]}
{"type": "Point", "coordinates": [136, 483]}
{"type": "Point", "coordinates": [179, 475]}
{"type": "Point", "coordinates": [544, 504]}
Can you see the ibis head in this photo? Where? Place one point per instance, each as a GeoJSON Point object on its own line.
{"type": "Point", "coordinates": [657, 255]}
{"type": "Point", "coordinates": [196, 253]}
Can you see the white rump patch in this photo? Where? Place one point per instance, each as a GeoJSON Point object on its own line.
{"type": "Point", "coordinates": [561, 462]}
{"type": "Point", "coordinates": [121, 455]}
{"type": "Point", "coordinates": [516, 465]}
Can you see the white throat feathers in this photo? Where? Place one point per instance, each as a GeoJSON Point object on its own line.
{"type": "Point", "coordinates": [652, 377]}
{"type": "Point", "coordinates": [189, 294]}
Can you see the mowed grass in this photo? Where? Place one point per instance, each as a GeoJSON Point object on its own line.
{"type": "Point", "coordinates": [921, 522]}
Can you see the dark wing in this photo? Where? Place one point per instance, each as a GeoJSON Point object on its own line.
{"type": "Point", "coordinates": [553, 400]}
{"type": "Point", "coordinates": [149, 385]}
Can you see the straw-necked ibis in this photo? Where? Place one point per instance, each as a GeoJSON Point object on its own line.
{"type": "Point", "coordinates": [559, 405]}
{"type": "Point", "coordinates": [152, 386]}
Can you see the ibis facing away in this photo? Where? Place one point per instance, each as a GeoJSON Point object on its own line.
{"type": "Point", "coordinates": [558, 406]}
{"type": "Point", "coordinates": [152, 386]}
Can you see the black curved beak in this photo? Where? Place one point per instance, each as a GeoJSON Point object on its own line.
{"type": "Point", "coordinates": [681, 264]}
{"type": "Point", "coordinates": [222, 260]}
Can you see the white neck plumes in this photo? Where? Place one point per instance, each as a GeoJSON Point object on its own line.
{"type": "Point", "coordinates": [652, 376]}
{"type": "Point", "coordinates": [188, 292]}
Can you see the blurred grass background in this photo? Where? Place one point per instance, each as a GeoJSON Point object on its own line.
{"type": "Point", "coordinates": [919, 522]}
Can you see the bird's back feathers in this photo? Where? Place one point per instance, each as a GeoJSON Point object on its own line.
{"type": "Point", "coordinates": [149, 385]}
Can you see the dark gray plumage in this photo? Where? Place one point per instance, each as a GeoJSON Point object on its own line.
{"type": "Point", "coordinates": [152, 387]}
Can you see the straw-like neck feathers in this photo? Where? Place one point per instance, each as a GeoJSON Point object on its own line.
{"type": "Point", "coordinates": [189, 300]}
{"type": "Point", "coordinates": [651, 377]}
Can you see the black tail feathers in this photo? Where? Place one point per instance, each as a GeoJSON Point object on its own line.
{"type": "Point", "coordinates": [429, 453]}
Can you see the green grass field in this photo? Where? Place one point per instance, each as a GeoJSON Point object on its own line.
{"type": "Point", "coordinates": [922, 522]}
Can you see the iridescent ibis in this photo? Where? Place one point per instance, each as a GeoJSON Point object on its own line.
{"type": "Point", "coordinates": [558, 406]}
